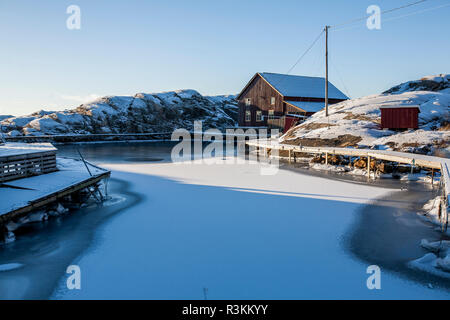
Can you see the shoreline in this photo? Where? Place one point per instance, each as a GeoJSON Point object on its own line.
{"type": "Point", "coordinates": [390, 236]}
{"type": "Point", "coordinates": [365, 237]}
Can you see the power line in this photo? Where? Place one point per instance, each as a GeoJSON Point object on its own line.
{"type": "Point", "coordinates": [417, 12]}
{"type": "Point", "coordinates": [304, 54]}
{"type": "Point", "coordinates": [361, 19]}
{"type": "Point", "coordinates": [399, 17]}
{"type": "Point", "coordinates": [319, 64]}
{"type": "Point", "coordinates": [383, 12]}
{"type": "Point", "coordinates": [299, 59]}
{"type": "Point", "coordinates": [340, 78]}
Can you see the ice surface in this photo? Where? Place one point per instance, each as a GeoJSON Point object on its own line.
{"type": "Point", "coordinates": [241, 235]}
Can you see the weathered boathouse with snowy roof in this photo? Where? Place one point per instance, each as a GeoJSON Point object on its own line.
{"type": "Point", "coordinates": [274, 96]}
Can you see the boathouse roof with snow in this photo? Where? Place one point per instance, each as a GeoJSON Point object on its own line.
{"type": "Point", "coordinates": [269, 95]}
{"type": "Point", "coordinates": [301, 86]}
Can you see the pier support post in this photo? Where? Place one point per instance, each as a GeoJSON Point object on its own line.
{"type": "Point", "coordinates": [326, 157]}
{"type": "Point", "coordinates": [289, 156]}
{"type": "Point", "coordinates": [368, 167]}
{"type": "Point", "coordinates": [432, 176]}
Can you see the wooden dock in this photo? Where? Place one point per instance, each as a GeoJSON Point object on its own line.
{"type": "Point", "coordinates": [432, 162]}
{"type": "Point", "coordinates": [22, 196]}
{"type": "Point", "coordinates": [52, 197]}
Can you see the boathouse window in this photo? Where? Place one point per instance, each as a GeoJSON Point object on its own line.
{"type": "Point", "coordinates": [271, 114]}
{"type": "Point", "coordinates": [272, 101]}
{"type": "Point", "coordinates": [248, 101]}
{"type": "Point", "coordinates": [248, 116]}
{"type": "Point", "coordinates": [259, 115]}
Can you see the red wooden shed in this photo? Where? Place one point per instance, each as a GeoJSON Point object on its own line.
{"type": "Point", "coordinates": [400, 117]}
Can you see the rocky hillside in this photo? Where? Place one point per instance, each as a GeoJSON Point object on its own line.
{"type": "Point", "coordinates": [437, 83]}
{"type": "Point", "coordinates": [357, 122]}
{"type": "Point", "coordinates": [141, 113]}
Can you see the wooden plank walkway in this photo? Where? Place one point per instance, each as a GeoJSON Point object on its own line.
{"type": "Point", "coordinates": [431, 162]}
{"type": "Point", "coordinates": [22, 196]}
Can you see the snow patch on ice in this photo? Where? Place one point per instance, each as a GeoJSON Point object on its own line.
{"type": "Point", "coordinates": [10, 266]}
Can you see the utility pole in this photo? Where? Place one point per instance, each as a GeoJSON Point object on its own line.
{"type": "Point", "coordinates": [326, 70]}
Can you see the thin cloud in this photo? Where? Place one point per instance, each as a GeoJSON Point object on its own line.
{"type": "Point", "coordinates": [80, 99]}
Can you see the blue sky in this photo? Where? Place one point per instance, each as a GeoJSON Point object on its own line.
{"type": "Point", "coordinates": [125, 47]}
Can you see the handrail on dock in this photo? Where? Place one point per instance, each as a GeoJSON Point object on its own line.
{"type": "Point", "coordinates": [431, 162]}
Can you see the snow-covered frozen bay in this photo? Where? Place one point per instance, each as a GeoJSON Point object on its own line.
{"type": "Point", "coordinates": [238, 233]}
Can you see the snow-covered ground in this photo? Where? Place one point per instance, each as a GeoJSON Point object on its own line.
{"type": "Point", "coordinates": [241, 235]}
{"type": "Point", "coordinates": [361, 118]}
{"type": "Point", "coordinates": [438, 260]}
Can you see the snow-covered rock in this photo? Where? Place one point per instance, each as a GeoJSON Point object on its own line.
{"type": "Point", "coordinates": [60, 209]}
{"type": "Point", "coordinates": [3, 117]}
{"type": "Point", "coordinates": [436, 262]}
{"type": "Point", "coordinates": [444, 263]}
{"type": "Point", "coordinates": [435, 246]}
{"type": "Point", "coordinates": [10, 237]}
{"type": "Point", "coordinates": [431, 209]}
{"type": "Point", "coordinates": [47, 125]}
{"type": "Point", "coordinates": [141, 113]}
{"type": "Point", "coordinates": [428, 83]}
{"type": "Point", "coordinates": [357, 122]}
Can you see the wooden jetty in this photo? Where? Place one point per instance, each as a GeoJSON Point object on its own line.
{"type": "Point", "coordinates": [36, 178]}
{"type": "Point", "coordinates": [431, 162]}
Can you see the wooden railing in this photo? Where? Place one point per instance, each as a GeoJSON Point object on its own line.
{"type": "Point", "coordinates": [26, 165]}
{"type": "Point", "coordinates": [413, 159]}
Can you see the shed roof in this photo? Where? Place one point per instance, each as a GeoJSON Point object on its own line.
{"type": "Point", "coordinates": [400, 106]}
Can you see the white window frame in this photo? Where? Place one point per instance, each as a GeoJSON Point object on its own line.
{"type": "Point", "coordinates": [248, 101]}
{"type": "Point", "coordinates": [271, 114]}
{"type": "Point", "coordinates": [272, 101]}
{"type": "Point", "coordinates": [259, 116]}
{"type": "Point", "coordinates": [248, 116]}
